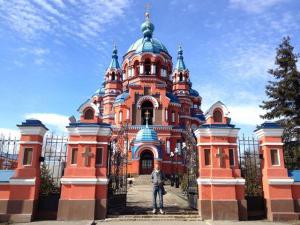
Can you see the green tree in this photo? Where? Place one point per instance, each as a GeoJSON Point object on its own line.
{"type": "Point", "coordinates": [283, 92]}
{"type": "Point", "coordinates": [47, 184]}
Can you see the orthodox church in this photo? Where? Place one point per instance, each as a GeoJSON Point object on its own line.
{"type": "Point", "coordinates": [152, 97]}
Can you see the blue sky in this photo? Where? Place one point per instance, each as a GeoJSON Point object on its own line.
{"type": "Point", "coordinates": [54, 52]}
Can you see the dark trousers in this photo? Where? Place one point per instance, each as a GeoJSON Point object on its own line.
{"type": "Point", "coordinates": [157, 190]}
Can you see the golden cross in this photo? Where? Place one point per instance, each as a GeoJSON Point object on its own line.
{"type": "Point", "coordinates": [147, 114]}
{"type": "Point", "coordinates": [147, 8]}
{"type": "Point", "coordinates": [147, 117]}
{"type": "Point", "coordinates": [87, 154]}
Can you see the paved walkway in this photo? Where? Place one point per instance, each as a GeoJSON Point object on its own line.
{"type": "Point", "coordinates": [156, 223]}
{"type": "Point", "coordinates": [140, 198]}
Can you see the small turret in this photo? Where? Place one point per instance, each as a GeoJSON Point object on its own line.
{"type": "Point", "coordinates": [114, 64]}
{"type": "Point", "coordinates": [180, 66]}
{"type": "Point", "coordinates": [113, 86]}
{"type": "Point", "coordinates": [180, 77]}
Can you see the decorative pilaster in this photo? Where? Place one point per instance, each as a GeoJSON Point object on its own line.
{"type": "Point", "coordinates": [277, 186]}
{"type": "Point", "coordinates": [85, 182]}
{"type": "Point", "coordinates": [23, 187]}
{"type": "Point", "coordinates": [220, 185]}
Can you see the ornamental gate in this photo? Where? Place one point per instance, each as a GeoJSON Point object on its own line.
{"type": "Point", "coordinates": [191, 163]}
{"type": "Point", "coordinates": [53, 163]}
{"type": "Point", "coordinates": [117, 170]}
{"type": "Point", "coordinates": [250, 165]}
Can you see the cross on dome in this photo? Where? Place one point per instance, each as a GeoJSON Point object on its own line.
{"type": "Point", "coordinates": [147, 117]}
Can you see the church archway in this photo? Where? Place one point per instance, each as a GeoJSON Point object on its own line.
{"type": "Point", "coordinates": [146, 162]}
{"type": "Point", "coordinates": [147, 106]}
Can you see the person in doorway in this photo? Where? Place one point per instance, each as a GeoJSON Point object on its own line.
{"type": "Point", "coordinates": [158, 188]}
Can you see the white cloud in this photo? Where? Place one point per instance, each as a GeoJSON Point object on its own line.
{"type": "Point", "coordinates": [56, 121]}
{"type": "Point", "coordinates": [9, 133]}
{"type": "Point", "coordinates": [38, 54]}
{"type": "Point", "coordinates": [245, 114]}
{"type": "Point", "coordinates": [84, 20]}
{"type": "Point", "coordinates": [248, 61]}
{"type": "Point", "coordinates": [254, 6]}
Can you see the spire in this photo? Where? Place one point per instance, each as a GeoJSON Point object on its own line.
{"type": "Point", "coordinates": [114, 64]}
{"type": "Point", "coordinates": [180, 63]}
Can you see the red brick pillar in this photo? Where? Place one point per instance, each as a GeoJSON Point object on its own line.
{"type": "Point", "coordinates": [84, 185]}
{"type": "Point", "coordinates": [220, 186]}
{"type": "Point", "coordinates": [19, 197]}
{"type": "Point", "coordinates": [277, 186]}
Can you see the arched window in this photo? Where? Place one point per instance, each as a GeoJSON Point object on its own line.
{"type": "Point", "coordinates": [147, 106]}
{"type": "Point", "coordinates": [173, 117]}
{"type": "Point", "coordinates": [113, 76]}
{"type": "Point", "coordinates": [120, 116]}
{"type": "Point", "coordinates": [180, 77]}
{"type": "Point", "coordinates": [147, 67]}
{"type": "Point", "coordinates": [217, 116]}
{"type": "Point", "coordinates": [136, 68]}
{"type": "Point", "coordinates": [89, 114]}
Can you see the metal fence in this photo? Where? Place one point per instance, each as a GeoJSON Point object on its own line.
{"type": "Point", "coordinates": [250, 165]}
{"type": "Point", "coordinates": [9, 149]}
{"type": "Point", "coordinates": [54, 153]}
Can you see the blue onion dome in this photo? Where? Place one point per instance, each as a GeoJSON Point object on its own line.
{"type": "Point", "coordinates": [114, 64]}
{"type": "Point", "coordinates": [148, 43]}
{"type": "Point", "coordinates": [146, 135]}
{"type": "Point", "coordinates": [147, 27]}
{"type": "Point", "coordinates": [180, 63]}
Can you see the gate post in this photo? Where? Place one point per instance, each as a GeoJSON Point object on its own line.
{"type": "Point", "coordinates": [277, 186]}
{"type": "Point", "coordinates": [221, 188]}
{"type": "Point", "coordinates": [84, 184]}
{"type": "Point", "coordinates": [20, 195]}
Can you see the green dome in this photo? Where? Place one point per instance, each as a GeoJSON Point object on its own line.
{"type": "Point", "coordinates": [147, 43]}
{"type": "Point", "coordinates": [152, 45]}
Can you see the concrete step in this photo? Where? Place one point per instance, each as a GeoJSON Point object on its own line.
{"type": "Point", "coordinates": [155, 217]}
{"type": "Point", "coordinates": [138, 211]}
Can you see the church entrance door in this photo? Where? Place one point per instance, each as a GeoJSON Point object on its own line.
{"type": "Point", "coordinates": [146, 162]}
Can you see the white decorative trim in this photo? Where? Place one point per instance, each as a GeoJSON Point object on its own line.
{"type": "Point", "coordinates": [278, 181]}
{"type": "Point", "coordinates": [209, 113]}
{"type": "Point", "coordinates": [31, 143]}
{"type": "Point", "coordinates": [147, 97]}
{"type": "Point", "coordinates": [32, 130]}
{"type": "Point", "coordinates": [272, 144]}
{"type": "Point", "coordinates": [87, 104]}
{"type": "Point", "coordinates": [100, 131]}
{"type": "Point", "coordinates": [174, 162]}
{"type": "Point", "coordinates": [269, 132]}
{"type": "Point", "coordinates": [223, 181]}
{"type": "Point", "coordinates": [101, 181]}
{"type": "Point", "coordinates": [296, 183]}
{"type": "Point", "coordinates": [30, 181]}
{"type": "Point", "coordinates": [87, 142]}
{"type": "Point", "coordinates": [150, 147]}
{"type": "Point", "coordinates": [207, 132]}
{"type": "Point", "coordinates": [217, 143]}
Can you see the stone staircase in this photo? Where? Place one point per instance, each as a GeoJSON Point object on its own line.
{"type": "Point", "coordinates": [155, 217]}
{"type": "Point", "coordinates": [139, 204]}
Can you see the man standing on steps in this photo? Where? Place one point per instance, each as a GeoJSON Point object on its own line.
{"type": "Point", "coordinates": [158, 188]}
